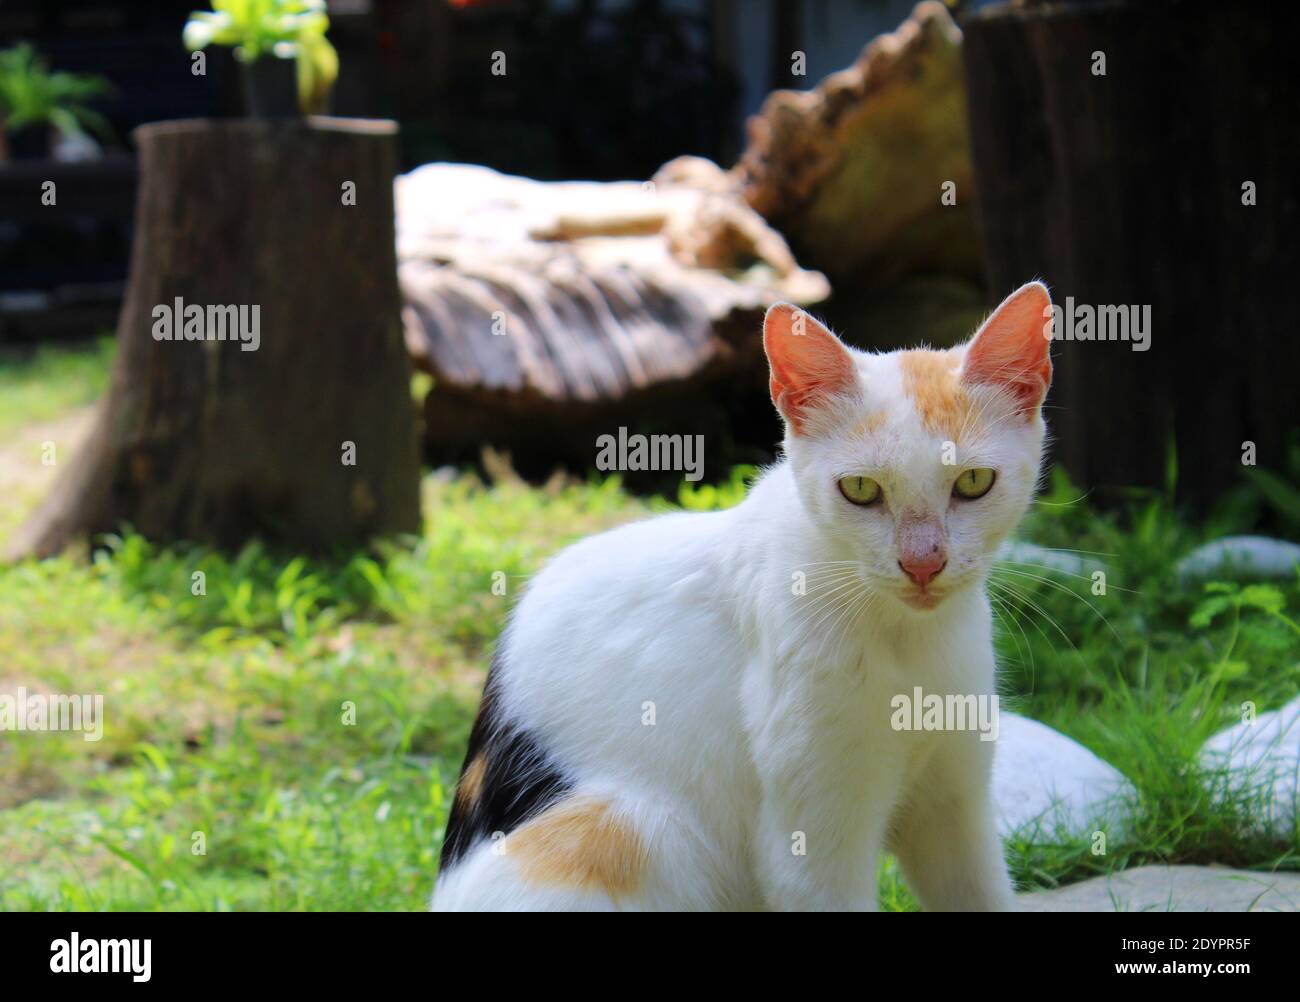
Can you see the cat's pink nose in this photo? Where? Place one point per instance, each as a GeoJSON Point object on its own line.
{"type": "Point", "coordinates": [924, 569]}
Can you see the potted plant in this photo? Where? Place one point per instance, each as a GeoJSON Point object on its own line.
{"type": "Point", "coordinates": [34, 101]}
{"type": "Point", "coordinates": [288, 64]}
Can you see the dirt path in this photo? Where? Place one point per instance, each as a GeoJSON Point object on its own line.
{"type": "Point", "coordinates": [24, 476]}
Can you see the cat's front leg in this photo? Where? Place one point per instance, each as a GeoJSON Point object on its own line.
{"type": "Point", "coordinates": [822, 819]}
{"type": "Point", "coordinates": [945, 831]}
{"type": "Point", "coordinates": [803, 865]}
{"type": "Point", "coordinates": [826, 791]}
{"type": "Point", "coordinates": [806, 865]}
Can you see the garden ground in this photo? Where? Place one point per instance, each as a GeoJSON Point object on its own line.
{"type": "Point", "coordinates": [302, 723]}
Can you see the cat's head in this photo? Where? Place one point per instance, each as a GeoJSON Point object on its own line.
{"type": "Point", "coordinates": [915, 464]}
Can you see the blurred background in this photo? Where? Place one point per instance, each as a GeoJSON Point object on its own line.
{"type": "Point", "coordinates": [605, 90]}
{"type": "Point", "coordinates": [1087, 179]}
{"type": "Point", "coordinates": [482, 235]}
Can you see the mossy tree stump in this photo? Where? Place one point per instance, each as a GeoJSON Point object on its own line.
{"type": "Point", "coordinates": [307, 440]}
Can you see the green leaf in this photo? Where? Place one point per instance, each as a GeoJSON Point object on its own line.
{"type": "Point", "coordinates": [286, 29]}
{"type": "Point", "coordinates": [1209, 609]}
{"type": "Point", "coordinates": [155, 757]}
{"type": "Point", "coordinates": [30, 95]}
{"type": "Point", "coordinates": [1233, 669]}
{"type": "Point", "coordinates": [1264, 597]}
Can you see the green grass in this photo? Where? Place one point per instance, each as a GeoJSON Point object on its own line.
{"type": "Point", "coordinates": [302, 721]}
{"type": "Point", "coordinates": [1143, 674]}
{"type": "Point", "coordinates": [308, 718]}
{"type": "Point", "coordinates": [41, 385]}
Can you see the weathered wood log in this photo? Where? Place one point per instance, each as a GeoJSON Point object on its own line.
{"type": "Point", "coordinates": [549, 313]}
{"type": "Point", "coordinates": [298, 427]}
{"type": "Point", "coordinates": [1168, 182]}
{"type": "Point", "coordinates": [546, 312]}
{"type": "Point", "coordinates": [853, 172]}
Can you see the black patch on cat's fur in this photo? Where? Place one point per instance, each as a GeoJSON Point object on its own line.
{"type": "Point", "coordinates": [519, 782]}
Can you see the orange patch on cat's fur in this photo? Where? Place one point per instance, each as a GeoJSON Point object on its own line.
{"type": "Point", "coordinates": [471, 783]}
{"type": "Point", "coordinates": [579, 842]}
{"type": "Point", "coordinates": [930, 379]}
{"type": "Point", "coordinates": [873, 422]}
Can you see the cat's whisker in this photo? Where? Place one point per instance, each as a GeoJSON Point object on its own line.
{"type": "Point", "coordinates": [852, 627]}
{"type": "Point", "coordinates": [1000, 610]}
{"type": "Point", "coordinates": [1064, 504]}
{"type": "Point", "coordinates": [1020, 596]}
{"type": "Point", "coordinates": [1011, 602]}
{"type": "Point", "coordinates": [1063, 549]}
{"type": "Point", "coordinates": [829, 608]}
{"type": "Point", "coordinates": [1007, 618]}
{"type": "Point", "coordinates": [841, 578]}
{"type": "Point", "coordinates": [1060, 587]}
{"type": "Point", "coordinates": [852, 602]}
{"type": "Point", "coordinates": [1056, 570]}
{"type": "Point", "coordinates": [831, 603]}
{"type": "Point", "coordinates": [819, 580]}
{"type": "Point", "coordinates": [827, 633]}
{"type": "Point", "coordinates": [864, 601]}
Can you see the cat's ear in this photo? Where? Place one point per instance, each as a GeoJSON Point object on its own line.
{"type": "Point", "coordinates": [1012, 348]}
{"type": "Point", "coordinates": [808, 363]}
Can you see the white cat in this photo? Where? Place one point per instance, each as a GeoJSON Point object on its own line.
{"type": "Point", "coordinates": [698, 711]}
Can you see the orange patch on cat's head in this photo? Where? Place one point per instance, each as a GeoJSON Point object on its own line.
{"type": "Point", "coordinates": [872, 423]}
{"type": "Point", "coordinates": [931, 381]}
{"type": "Point", "coordinates": [580, 842]}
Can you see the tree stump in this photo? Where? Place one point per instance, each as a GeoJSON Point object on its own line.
{"type": "Point", "coordinates": [308, 439]}
{"type": "Point", "coordinates": [1128, 188]}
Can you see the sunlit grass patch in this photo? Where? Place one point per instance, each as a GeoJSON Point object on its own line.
{"type": "Point", "coordinates": [40, 385]}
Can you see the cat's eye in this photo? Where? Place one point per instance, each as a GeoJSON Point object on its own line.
{"type": "Point", "coordinates": [974, 483]}
{"type": "Point", "coordinates": [860, 490]}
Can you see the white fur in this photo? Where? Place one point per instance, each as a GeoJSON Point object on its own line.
{"type": "Point", "coordinates": [772, 709]}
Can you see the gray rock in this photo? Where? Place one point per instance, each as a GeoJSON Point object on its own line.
{"type": "Point", "coordinates": [1240, 556]}
{"type": "Point", "coordinates": [1047, 786]}
{"type": "Point", "coordinates": [1172, 889]}
{"type": "Point", "coordinates": [1017, 552]}
{"type": "Point", "coordinates": [1262, 760]}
